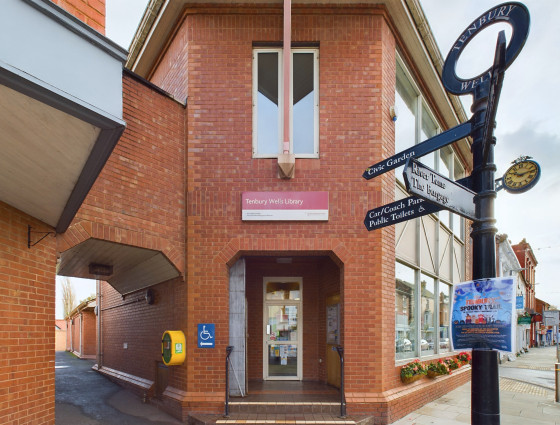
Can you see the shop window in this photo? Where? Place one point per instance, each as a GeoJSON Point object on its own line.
{"type": "Point", "coordinates": [414, 121]}
{"type": "Point", "coordinates": [405, 317]}
{"type": "Point", "coordinates": [430, 250]}
{"type": "Point", "coordinates": [458, 221]}
{"type": "Point", "coordinates": [406, 102]}
{"type": "Point", "coordinates": [424, 300]}
{"type": "Point", "coordinates": [444, 314]}
{"type": "Point", "coordinates": [427, 303]}
{"type": "Point", "coordinates": [445, 166]}
{"type": "Point", "coordinates": [268, 117]}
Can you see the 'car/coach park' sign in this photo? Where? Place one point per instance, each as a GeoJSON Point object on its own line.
{"type": "Point", "coordinates": [398, 211]}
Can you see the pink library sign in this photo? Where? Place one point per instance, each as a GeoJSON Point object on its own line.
{"type": "Point", "coordinates": [276, 206]}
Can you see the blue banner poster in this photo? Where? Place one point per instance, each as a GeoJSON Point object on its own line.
{"type": "Point", "coordinates": [483, 314]}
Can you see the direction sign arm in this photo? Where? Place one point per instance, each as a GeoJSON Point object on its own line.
{"type": "Point", "coordinates": [430, 145]}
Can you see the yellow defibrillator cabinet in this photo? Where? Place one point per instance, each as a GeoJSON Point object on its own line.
{"type": "Point", "coordinates": [173, 348]}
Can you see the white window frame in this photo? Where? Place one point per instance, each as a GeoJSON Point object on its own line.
{"type": "Point", "coordinates": [458, 234]}
{"type": "Point", "coordinates": [279, 51]}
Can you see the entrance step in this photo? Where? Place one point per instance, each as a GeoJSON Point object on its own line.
{"type": "Point", "coordinates": [268, 418]}
{"type": "Point", "coordinates": [284, 407]}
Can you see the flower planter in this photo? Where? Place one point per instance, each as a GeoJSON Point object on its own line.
{"type": "Point", "coordinates": [411, 379]}
{"type": "Point", "coordinates": [432, 374]}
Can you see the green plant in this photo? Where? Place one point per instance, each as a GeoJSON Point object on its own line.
{"type": "Point", "coordinates": [452, 363]}
{"type": "Point", "coordinates": [439, 367]}
{"type": "Point", "coordinates": [412, 369]}
{"type": "Point", "coordinates": [464, 357]}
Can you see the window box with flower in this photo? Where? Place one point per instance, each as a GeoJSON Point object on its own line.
{"type": "Point", "coordinates": [412, 371]}
{"type": "Point", "coordinates": [464, 358]}
{"type": "Point", "coordinates": [438, 368]}
{"type": "Point", "coordinates": [452, 363]}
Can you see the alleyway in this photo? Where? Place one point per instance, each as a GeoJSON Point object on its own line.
{"type": "Point", "coordinates": [85, 397]}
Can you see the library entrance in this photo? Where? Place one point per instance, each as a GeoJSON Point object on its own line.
{"type": "Point", "coordinates": [282, 328]}
{"type": "Point", "coordinates": [286, 318]}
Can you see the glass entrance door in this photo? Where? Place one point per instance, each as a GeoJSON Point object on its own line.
{"type": "Point", "coordinates": [282, 328]}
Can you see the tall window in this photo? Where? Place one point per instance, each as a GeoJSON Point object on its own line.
{"type": "Point", "coordinates": [430, 250]}
{"type": "Point", "coordinates": [405, 312]}
{"type": "Point", "coordinates": [427, 303]}
{"type": "Point", "coordinates": [458, 221]}
{"type": "Point", "coordinates": [414, 121]}
{"type": "Point", "coordinates": [268, 110]}
{"type": "Point", "coordinates": [444, 315]}
{"type": "Point", "coordinates": [445, 167]}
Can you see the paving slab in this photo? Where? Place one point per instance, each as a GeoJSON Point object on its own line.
{"type": "Point", "coordinates": [521, 402]}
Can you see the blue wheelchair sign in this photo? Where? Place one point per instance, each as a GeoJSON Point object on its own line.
{"type": "Point", "coordinates": [206, 332]}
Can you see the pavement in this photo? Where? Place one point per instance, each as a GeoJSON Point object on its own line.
{"type": "Point", "coordinates": [85, 397]}
{"type": "Point", "coordinates": [527, 395]}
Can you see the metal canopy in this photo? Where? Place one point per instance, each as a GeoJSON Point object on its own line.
{"type": "Point", "coordinates": [60, 109]}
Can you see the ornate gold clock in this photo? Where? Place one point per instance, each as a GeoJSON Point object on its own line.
{"type": "Point", "coordinates": [521, 176]}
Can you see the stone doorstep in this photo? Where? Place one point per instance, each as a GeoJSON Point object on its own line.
{"type": "Point", "coordinates": [302, 419]}
{"type": "Point", "coordinates": [287, 421]}
{"type": "Point", "coordinates": [284, 407]}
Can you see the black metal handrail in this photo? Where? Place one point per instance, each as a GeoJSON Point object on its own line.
{"type": "Point", "coordinates": [340, 351]}
{"type": "Point", "coordinates": [229, 349]}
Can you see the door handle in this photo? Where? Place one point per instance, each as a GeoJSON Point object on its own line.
{"type": "Point", "coordinates": [268, 329]}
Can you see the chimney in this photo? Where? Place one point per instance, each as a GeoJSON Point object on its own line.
{"type": "Point", "coordinates": [91, 12]}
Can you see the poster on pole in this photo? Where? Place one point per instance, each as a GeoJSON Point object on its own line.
{"type": "Point", "coordinates": [550, 317]}
{"type": "Point", "coordinates": [482, 314]}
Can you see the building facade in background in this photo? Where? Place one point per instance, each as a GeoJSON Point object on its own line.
{"type": "Point", "coordinates": [528, 262]}
{"type": "Point", "coordinates": [508, 265]}
{"type": "Point", "coordinates": [81, 325]}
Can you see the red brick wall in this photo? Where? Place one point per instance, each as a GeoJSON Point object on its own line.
{"type": "Point", "coordinates": [68, 336]}
{"type": "Point", "coordinates": [138, 198]}
{"type": "Point", "coordinates": [76, 325]}
{"type": "Point", "coordinates": [27, 314]}
{"type": "Point", "coordinates": [353, 120]}
{"type": "Point", "coordinates": [92, 12]}
{"type": "Point", "coordinates": [89, 333]}
{"type": "Point", "coordinates": [133, 321]}
{"type": "Point", "coordinates": [357, 77]}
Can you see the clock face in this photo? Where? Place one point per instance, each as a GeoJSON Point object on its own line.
{"type": "Point", "coordinates": [522, 176]}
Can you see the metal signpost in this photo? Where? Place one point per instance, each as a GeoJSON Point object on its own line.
{"type": "Point", "coordinates": [404, 210]}
{"type": "Point", "coordinates": [428, 146]}
{"type": "Point", "coordinates": [445, 194]}
{"type": "Point", "coordinates": [425, 183]}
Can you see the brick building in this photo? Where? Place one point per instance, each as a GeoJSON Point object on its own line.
{"type": "Point", "coordinates": [507, 264]}
{"type": "Point", "coordinates": [528, 261]}
{"type": "Point", "coordinates": [229, 201]}
{"type": "Point", "coordinates": [81, 337]}
{"type": "Point", "coordinates": [57, 127]}
{"type": "Point", "coordinates": [60, 335]}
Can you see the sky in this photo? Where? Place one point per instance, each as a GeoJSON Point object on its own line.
{"type": "Point", "coordinates": [527, 121]}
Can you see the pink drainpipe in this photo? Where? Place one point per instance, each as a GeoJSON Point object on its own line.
{"type": "Point", "coordinates": [287, 59]}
